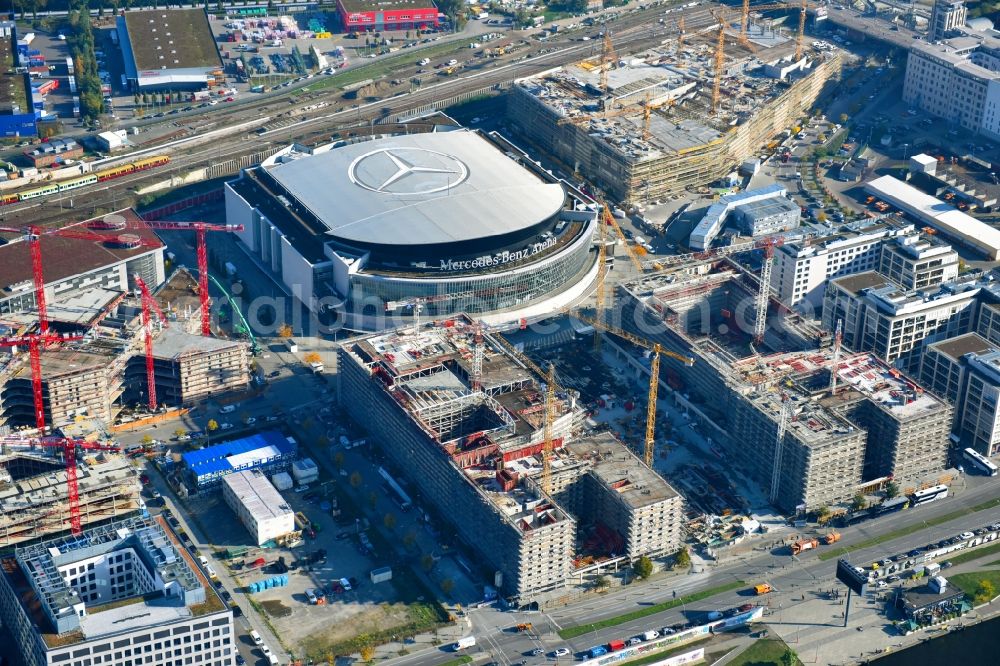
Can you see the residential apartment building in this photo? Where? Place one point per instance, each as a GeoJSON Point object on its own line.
{"type": "Point", "coordinates": [801, 268]}
{"type": "Point", "coordinates": [957, 79]}
{"type": "Point", "coordinates": [119, 594]}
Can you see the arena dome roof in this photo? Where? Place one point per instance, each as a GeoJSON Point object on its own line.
{"type": "Point", "coordinates": [421, 189]}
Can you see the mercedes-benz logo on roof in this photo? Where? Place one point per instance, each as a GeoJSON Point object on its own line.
{"type": "Point", "coordinates": [405, 170]}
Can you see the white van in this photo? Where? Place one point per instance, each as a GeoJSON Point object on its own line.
{"type": "Point", "coordinates": [203, 560]}
{"type": "Point", "coordinates": [228, 409]}
{"type": "Point", "coordinates": [211, 572]}
{"type": "Point", "coordinates": [462, 643]}
{"type": "Point", "coordinates": [257, 640]}
{"type": "Point", "coordinates": [424, 62]}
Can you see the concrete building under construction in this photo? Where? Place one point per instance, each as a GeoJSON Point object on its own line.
{"type": "Point", "coordinates": [99, 375]}
{"type": "Point", "coordinates": [476, 456]}
{"type": "Point", "coordinates": [33, 496]}
{"type": "Point", "coordinates": [652, 132]}
{"type": "Point", "coordinates": [770, 406]}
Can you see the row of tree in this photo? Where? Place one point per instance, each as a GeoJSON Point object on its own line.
{"type": "Point", "coordinates": [81, 47]}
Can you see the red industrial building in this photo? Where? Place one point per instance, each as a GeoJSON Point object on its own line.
{"type": "Point", "coordinates": [380, 15]}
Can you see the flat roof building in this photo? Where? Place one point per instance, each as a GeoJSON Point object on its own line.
{"type": "Point", "coordinates": [168, 48]}
{"type": "Point", "coordinates": [381, 15]}
{"type": "Point", "coordinates": [259, 505]}
{"type": "Point", "coordinates": [18, 115]}
{"type": "Point", "coordinates": [759, 210]}
{"type": "Point", "coordinates": [682, 142]}
{"type": "Point", "coordinates": [110, 593]}
{"type": "Point", "coordinates": [73, 265]}
{"type": "Point", "coordinates": [268, 451]}
{"type": "Point", "coordinates": [929, 210]}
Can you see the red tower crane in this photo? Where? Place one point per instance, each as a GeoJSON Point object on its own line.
{"type": "Point", "coordinates": [199, 228]}
{"type": "Point", "coordinates": [69, 447]}
{"type": "Point", "coordinates": [33, 235]}
{"type": "Point", "coordinates": [35, 341]}
{"type": "Point", "coordinates": [148, 304]}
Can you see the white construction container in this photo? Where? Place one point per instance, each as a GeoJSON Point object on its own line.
{"type": "Point", "coordinates": [381, 574]}
{"type": "Point", "coordinates": [282, 481]}
{"type": "Point", "coordinates": [305, 471]}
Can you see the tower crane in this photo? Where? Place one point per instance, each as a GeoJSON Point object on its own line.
{"type": "Point", "coordinates": [837, 338]}
{"type": "Point", "coordinates": [608, 58]}
{"type": "Point", "coordinates": [784, 415]}
{"type": "Point", "coordinates": [654, 375]}
{"type": "Point", "coordinates": [800, 35]}
{"type": "Point", "coordinates": [69, 447]}
{"type": "Point", "coordinates": [680, 35]}
{"type": "Point", "coordinates": [149, 305]}
{"type": "Point", "coordinates": [33, 237]}
{"type": "Point", "coordinates": [200, 229]}
{"type": "Point", "coordinates": [760, 322]}
{"type": "Point", "coordinates": [550, 416]}
{"type": "Point", "coordinates": [35, 343]}
{"type": "Point", "coordinates": [607, 219]}
{"type": "Point", "coordinates": [602, 273]}
{"type": "Point", "coordinates": [478, 350]}
{"type": "Point", "coordinates": [720, 61]}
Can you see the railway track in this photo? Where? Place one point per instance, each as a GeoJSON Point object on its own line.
{"type": "Point", "coordinates": [632, 32]}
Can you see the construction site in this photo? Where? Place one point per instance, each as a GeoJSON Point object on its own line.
{"type": "Point", "coordinates": [681, 115]}
{"type": "Point", "coordinates": [544, 497]}
{"type": "Point", "coordinates": [33, 495]}
{"type": "Point", "coordinates": [812, 426]}
{"type": "Point", "coordinates": [121, 340]}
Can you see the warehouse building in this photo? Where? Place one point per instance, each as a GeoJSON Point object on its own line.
{"type": "Point", "coordinates": [55, 150]}
{"type": "Point", "coordinates": [481, 451]}
{"type": "Point", "coordinates": [169, 49]}
{"type": "Point", "coordinates": [268, 451]}
{"type": "Point", "coordinates": [18, 115]}
{"type": "Point", "coordinates": [382, 15]}
{"type": "Point", "coordinates": [123, 593]}
{"type": "Point", "coordinates": [947, 219]}
{"type": "Point", "coordinates": [73, 265]}
{"type": "Point", "coordinates": [681, 142]}
{"type": "Point", "coordinates": [258, 505]}
{"type": "Point", "coordinates": [379, 230]}
{"type": "Point", "coordinates": [759, 212]}
{"type": "Point", "coordinates": [33, 501]}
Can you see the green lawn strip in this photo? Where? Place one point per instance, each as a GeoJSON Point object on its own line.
{"type": "Point", "coordinates": [992, 549]}
{"type": "Point", "coordinates": [904, 531]}
{"type": "Point", "coordinates": [388, 65]}
{"type": "Point", "coordinates": [457, 661]}
{"type": "Point", "coordinates": [764, 651]}
{"type": "Point", "coordinates": [573, 632]}
{"type": "Point", "coordinates": [968, 582]}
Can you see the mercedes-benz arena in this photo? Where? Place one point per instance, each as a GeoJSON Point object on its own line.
{"type": "Point", "coordinates": [434, 223]}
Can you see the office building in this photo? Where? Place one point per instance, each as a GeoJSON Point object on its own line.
{"type": "Point", "coordinates": [757, 212]}
{"type": "Point", "coordinates": [947, 16]}
{"type": "Point", "coordinates": [123, 593]}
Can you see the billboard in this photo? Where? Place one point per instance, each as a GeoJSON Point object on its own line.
{"type": "Point", "coordinates": [850, 576]}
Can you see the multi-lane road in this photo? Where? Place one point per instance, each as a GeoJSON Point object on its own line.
{"type": "Point", "coordinates": [792, 577]}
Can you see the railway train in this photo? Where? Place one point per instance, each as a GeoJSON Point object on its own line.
{"type": "Point", "coordinates": [98, 176]}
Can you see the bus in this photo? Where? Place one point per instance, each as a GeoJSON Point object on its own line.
{"type": "Point", "coordinates": [979, 462]}
{"type": "Point", "coordinates": [929, 495]}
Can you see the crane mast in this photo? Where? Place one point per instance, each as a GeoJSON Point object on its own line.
{"type": "Point", "coordinates": [784, 414]}
{"type": "Point", "coordinates": [654, 385]}
{"type": "Point", "coordinates": [837, 338]}
{"type": "Point", "coordinates": [550, 406]}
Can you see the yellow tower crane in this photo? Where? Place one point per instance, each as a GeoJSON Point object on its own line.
{"type": "Point", "coordinates": [608, 59]}
{"type": "Point", "coordinates": [680, 35]}
{"type": "Point", "coordinates": [550, 416]}
{"type": "Point", "coordinates": [654, 374]}
{"type": "Point", "coordinates": [608, 220]}
{"type": "Point", "coordinates": [799, 36]}
{"type": "Point", "coordinates": [720, 61]}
